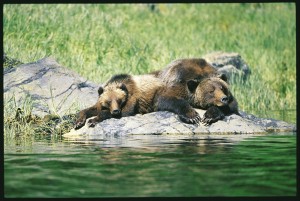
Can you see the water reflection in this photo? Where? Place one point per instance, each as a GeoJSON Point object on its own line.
{"type": "Point", "coordinates": [107, 140]}
{"type": "Point", "coordinates": [195, 165]}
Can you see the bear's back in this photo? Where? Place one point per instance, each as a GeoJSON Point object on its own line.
{"type": "Point", "coordinates": [147, 86]}
{"type": "Point", "coordinates": [182, 70]}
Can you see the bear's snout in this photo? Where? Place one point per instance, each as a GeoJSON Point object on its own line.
{"type": "Point", "coordinates": [224, 99]}
{"type": "Point", "coordinates": [116, 112]}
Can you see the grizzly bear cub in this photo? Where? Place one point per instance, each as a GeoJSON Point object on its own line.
{"type": "Point", "coordinates": [176, 96]}
{"type": "Point", "coordinates": [122, 95]}
{"type": "Point", "coordinates": [213, 94]}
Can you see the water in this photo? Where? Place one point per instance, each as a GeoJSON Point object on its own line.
{"type": "Point", "coordinates": [142, 166]}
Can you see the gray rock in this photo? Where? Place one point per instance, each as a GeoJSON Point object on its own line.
{"type": "Point", "coordinates": [228, 63]}
{"type": "Point", "coordinates": [168, 123]}
{"type": "Point", "coordinates": [58, 90]}
{"type": "Point", "coordinates": [52, 88]}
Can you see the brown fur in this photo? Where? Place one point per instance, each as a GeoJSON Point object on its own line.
{"type": "Point", "coordinates": [112, 98]}
{"type": "Point", "coordinates": [210, 91]}
{"type": "Point", "coordinates": [213, 94]}
{"type": "Point", "coordinates": [182, 70]}
{"type": "Point", "coordinates": [122, 95]}
{"type": "Point", "coordinates": [164, 90]}
{"type": "Point", "coordinates": [176, 96]}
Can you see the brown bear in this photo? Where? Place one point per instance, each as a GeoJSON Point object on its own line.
{"type": "Point", "coordinates": [122, 95]}
{"type": "Point", "coordinates": [170, 89]}
{"type": "Point", "coordinates": [176, 95]}
{"type": "Point", "coordinates": [213, 94]}
{"type": "Point", "coordinates": [125, 95]}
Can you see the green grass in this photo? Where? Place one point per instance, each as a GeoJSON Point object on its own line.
{"type": "Point", "coordinates": [98, 41]}
{"type": "Point", "coordinates": [20, 123]}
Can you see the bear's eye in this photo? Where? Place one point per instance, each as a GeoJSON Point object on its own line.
{"type": "Point", "coordinates": [120, 102]}
{"type": "Point", "coordinates": [104, 107]}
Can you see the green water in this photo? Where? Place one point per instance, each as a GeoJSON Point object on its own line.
{"type": "Point", "coordinates": [263, 165]}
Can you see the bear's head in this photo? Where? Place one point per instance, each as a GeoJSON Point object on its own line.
{"type": "Point", "coordinates": [210, 91]}
{"type": "Point", "coordinates": [112, 97]}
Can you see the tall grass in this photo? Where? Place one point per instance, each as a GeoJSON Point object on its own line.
{"type": "Point", "coordinates": [99, 40]}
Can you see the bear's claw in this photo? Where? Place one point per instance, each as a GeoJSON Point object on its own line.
{"type": "Point", "coordinates": [79, 124]}
{"type": "Point", "coordinates": [194, 120]}
{"type": "Point", "coordinates": [91, 123]}
{"type": "Point", "coordinates": [207, 121]}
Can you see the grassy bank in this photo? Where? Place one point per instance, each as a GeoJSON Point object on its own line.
{"type": "Point", "coordinates": [98, 41]}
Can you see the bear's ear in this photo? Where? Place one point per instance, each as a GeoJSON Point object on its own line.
{"type": "Point", "coordinates": [222, 76]}
{"type": "Point", "coordinates": [202, 62]}
{"type": "Point", "coordinates": [192, 85]}
{"type": "Point", "coordinates": [100, 90]}
{"type": "Point", "coordinates": [123, 87]}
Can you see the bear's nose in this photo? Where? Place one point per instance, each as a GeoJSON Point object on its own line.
{"type": "Point", "coordinates": [224, 99]}
{"type": "Point", "coordinates": [116, 112]}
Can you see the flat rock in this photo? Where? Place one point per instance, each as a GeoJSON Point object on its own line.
{"type": "Point", "coordinates": [168, 123]}
{"type": "Point", "coordinates": [55, 89]}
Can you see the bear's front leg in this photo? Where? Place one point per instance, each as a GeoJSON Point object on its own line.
{"type": "Point", "coordinates": [190, 117]}
{"type": "Point", "coordinates": [102, 115]}
{"type": "Point", "coordinates": [92, 122]}
{"type": "Point", "coordinates": [179, 106]}
{"type": "Point", "coordinates": [83, 115]}
{"type": "Point", "coordinates": [212, 114]}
